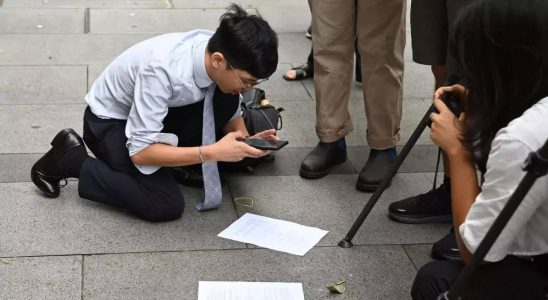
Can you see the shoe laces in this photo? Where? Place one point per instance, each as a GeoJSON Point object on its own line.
{"type": "Point", "coordinates": [432, 196]}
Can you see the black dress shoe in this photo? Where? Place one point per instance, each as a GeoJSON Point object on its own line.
{"type": "Point", "coordinates": [376, 168]}
{"type": "Point", "coordinates": [188, 176]}
{"type": "Point", "coordinates": [46, 173]}
{"type": "Point", "coordinates": [321, 159]}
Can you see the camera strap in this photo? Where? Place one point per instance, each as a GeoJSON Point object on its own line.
{"type": "Point", "coordinates": [437, 168]}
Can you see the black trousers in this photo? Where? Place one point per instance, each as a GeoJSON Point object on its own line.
{"type": "Point", "coordinates": [511, 278]}
{"type": "Point", "coordinates": [111, 178]}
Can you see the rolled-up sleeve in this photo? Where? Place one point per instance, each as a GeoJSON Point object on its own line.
{"type": "Point", "coordinates": [153, 90]}
{"type": "Point", "coordinates": [501, 179]}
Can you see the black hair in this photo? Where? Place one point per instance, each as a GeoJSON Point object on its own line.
{"type": "Point", "coordinates": [247, 42]}
{"type": "Point", "coordinates": [502, 46]}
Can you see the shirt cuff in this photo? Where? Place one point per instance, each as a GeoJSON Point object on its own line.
{"type": "Point", "coordinates": [137, 144]}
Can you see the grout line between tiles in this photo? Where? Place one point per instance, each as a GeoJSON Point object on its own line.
{"type": "Point", "coordinates": [409, 257]}
{"type": "Point", "coordinates": [86, 21]}
{"type": "Point", "coordinates": [82, 279]}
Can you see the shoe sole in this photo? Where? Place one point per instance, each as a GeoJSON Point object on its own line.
{"type": "Point", "coordinates": [34, 176]}
{"type": "Point", "coordinates": [421, 220]}
{"type": "Point", "coordinates": [368, 188]}
{"type": "Point", "coordinates": [445, 257]}
{"type": "Point", "coordinates": [317, 175]}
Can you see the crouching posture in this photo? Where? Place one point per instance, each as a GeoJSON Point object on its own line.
{"type": "Point", "coordinates": [172, 100]}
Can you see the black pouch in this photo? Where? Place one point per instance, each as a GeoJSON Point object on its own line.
{"type": "Point", "coordinates": [259, 117]}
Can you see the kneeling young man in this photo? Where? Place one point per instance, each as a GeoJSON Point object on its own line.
{"type": "Point", "coordinates": [172, 100]}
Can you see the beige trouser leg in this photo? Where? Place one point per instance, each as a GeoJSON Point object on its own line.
{"type": "Point", "coordinates": [380, 32]}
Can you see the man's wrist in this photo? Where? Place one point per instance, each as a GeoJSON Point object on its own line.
{"type": "Point", "coordinates": [205, 153]}
{"type": "Point", "coordinates": [201, 154]}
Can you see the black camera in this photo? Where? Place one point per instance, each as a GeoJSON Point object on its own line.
{"type": "Point", "coordinates": [452, 102]}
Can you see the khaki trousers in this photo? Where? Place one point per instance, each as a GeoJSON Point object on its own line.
{"type": "Point", "coordinates": [378, 26]}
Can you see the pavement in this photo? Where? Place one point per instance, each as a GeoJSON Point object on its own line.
{"type": "Point", "coordinates": [72, 248]}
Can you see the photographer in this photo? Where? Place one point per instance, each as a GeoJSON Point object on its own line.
{"type": "Point", "coordinates": [503, 48]}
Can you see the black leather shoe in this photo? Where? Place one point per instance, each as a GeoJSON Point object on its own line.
{"type": "Point", "coordinates": [321, 159]}
{"type": "Point", "coordinates": [375, 169]}
{"type": "Point", "coordinates": [188, 176]}
{"type": "Point", "coordinates": [45, 173]}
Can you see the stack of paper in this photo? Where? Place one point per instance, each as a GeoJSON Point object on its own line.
{"type": "Point", "coordinates": [237, 290]}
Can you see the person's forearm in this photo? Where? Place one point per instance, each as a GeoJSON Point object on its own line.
{"type": "Point", "coordinates": [464, 190]}
{"type": "Point", "coordinates": [170, 156]}
{"type": "Point", "coordinates": [236, 124]}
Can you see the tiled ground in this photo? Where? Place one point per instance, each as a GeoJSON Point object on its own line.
{"type": "Point", "coordinates": [70, 248]}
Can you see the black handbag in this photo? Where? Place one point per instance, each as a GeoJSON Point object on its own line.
{"type": "Point", "coordinates": [259, 117]}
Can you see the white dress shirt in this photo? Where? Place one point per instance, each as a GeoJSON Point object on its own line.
{"type": "Point", "coordinates": [527, 232]}
{"type": "Point", "coordinates": [143, 82]}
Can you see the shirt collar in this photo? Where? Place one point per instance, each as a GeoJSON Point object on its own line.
{"type": "Point", "coordinates": [198, 60]}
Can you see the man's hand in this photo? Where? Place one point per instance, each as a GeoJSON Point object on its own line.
{"type": "Point", "coordinates": [269, 135]}
{"type": "Point", "coordinates": [231, 148]}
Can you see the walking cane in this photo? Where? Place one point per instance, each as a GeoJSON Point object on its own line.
{"type": "Point", "coordinates": [535, 166]}
{"type": "Point", "coordinates": [454, 106]}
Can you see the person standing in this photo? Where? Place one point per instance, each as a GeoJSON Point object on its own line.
{"type": "Point", "coordinates": [379, 28]}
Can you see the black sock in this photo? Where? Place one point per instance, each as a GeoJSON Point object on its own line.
{"type": "Point", "coordinates": [71, 163]}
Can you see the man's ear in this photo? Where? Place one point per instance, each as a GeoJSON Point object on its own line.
{"type": "Point", "coordinates": [218, 60]}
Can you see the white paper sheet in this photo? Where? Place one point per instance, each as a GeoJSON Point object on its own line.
{"type": "Point", "coordinates": [273, 234]}
{"type": "Point", "coordinates": [238, 290]}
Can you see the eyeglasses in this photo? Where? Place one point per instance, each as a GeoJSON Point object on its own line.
{"type": "Point", "coordinates": [248, 85]}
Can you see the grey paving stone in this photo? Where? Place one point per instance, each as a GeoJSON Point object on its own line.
{"type": "Point", "coordinates": [155, 21]}
{"type": "Point", "coordinates": [16, 167]}
{"type": "Point", "coordinates": [58, 49]}
{"type": "Point", "coordinates": [34, 225]}
{"type": "Point", "coordinates": [299, 120]}
{"type": "Point", "coordinates": [214, 3]}
{"type": "Point", "coordinates": [286, 15]}
{"type": "Point", "coordinates": [278, 89]}
{"type": "Point", "coordinates": [293, 48]}
{"type": "Point", "coordinates": [418, 81]}
{"type": "Point", "coordinates": [30, 128]}
{"type": "Point", "coordinates": [168, 20]}
{"type": "Point", "coordinates": [87, 3]}
{"type": "Point", "coordinates": [15, 20]}
{"type": "Point", "coordinates": [373, 272]}
{"type": "Point", "coordinates": [42, 84]}
{"type": "Point", "coordinates": [332, 203]}
{"type": "Point", "coordinates": [419, 254]}
{"type": "Point", "coordinates": [57, 277]}
{"type": "Point", "coordinates": [422, 158]}
{"type": "Point", "coordinates": [63, 49]}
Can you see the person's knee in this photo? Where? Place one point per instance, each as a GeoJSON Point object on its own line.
{"type": "Point", "coordinates": [165, 210]}
{"type": "Point", "coordinates": [431, 280]}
